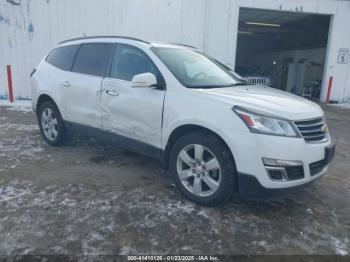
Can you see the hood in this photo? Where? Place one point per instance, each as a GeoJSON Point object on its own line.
{"type": "Point", "coordinates": [265, 99]}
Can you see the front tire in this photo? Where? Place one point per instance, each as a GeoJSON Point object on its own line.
{"type": "Point", "coordinates": [51, 124]}
{"type": "Point", "coordinates": [202, 168]}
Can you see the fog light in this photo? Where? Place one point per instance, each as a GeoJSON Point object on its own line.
{"type": "Point", "coordinates": [283, 170]}
{"type": "Point", "coordinates": [281, 163]}
{"type": "Point", "coordinates": [277, 173]}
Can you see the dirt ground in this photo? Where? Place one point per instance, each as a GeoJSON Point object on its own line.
{"type": "Point", "coordinates": [94, 199]}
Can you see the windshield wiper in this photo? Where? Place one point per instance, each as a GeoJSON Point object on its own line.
{"type": "Point", "coordinates": [205, 86]}
{"type": "Point", "coordinates": [238, 84]}
{"type": "Point", "coordinates": [220, 86]}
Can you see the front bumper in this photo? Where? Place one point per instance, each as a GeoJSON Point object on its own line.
{"type": "Point", "coordinates": [250, 188]}
{"type": "Point", "coordinates": [249, 149]}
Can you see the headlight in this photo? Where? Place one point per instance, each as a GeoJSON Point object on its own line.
{"type": "Point", "coordinates": [263, 124]}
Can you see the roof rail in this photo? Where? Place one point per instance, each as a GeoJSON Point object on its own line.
{"type": "Point", "coordinates": [93, 37]}
{"type": "Point", "coordinates": [184, 45]}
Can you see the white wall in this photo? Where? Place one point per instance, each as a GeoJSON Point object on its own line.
{"type": "Point", "coordinates": [27, 31]}
{"type": "Point", "coordinates": [35, 26]}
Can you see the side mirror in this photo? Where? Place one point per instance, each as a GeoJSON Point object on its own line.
{"type": "Point", "coordinates": [144, 80]}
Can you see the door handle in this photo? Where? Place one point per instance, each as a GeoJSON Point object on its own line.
{"type": "Point", "coordinates": [112, 93]}
{"type": "Point", "coordinates": [66, 83]}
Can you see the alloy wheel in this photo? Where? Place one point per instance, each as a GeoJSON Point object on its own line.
{"type": "Point", "coordinates": [49, 124]}
{"type": "Point", "coordinates": [198, 170]}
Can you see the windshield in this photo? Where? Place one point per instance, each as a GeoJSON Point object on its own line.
{"type": "Point", "coordinates": [240, 78]}
{"type": "Point", "coordinates": [193, 69]}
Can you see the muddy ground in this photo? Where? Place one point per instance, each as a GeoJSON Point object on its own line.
{"type": "Point", "coordinates": [94, 199]}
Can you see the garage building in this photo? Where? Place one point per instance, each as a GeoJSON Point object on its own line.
{"type": "Point", "coordinates": [298, 46]}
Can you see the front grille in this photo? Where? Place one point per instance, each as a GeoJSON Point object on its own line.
{"type": "Point", "coordinates": [256, 80]}
{"type": "Point", "coordinates": [311, 129]}
{"type": "Point", "coordinates": [317, 167]}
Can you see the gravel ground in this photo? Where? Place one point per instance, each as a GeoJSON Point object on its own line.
{"type": "Point", "coordinates": [93, 199]}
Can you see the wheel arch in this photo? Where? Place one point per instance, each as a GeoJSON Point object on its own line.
{"type": "Point", "coordinates": [44, 98]}
{"type": "Point", "coordinates": [186, 129]}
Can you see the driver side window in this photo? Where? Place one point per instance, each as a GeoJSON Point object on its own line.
{"type": "Point", "coordinates": [129, 61]}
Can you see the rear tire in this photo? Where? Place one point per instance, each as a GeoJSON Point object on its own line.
{"type": "Point", "coordinates": [51, 124]}
{"type": "Point", "coordinates": [202, 169]}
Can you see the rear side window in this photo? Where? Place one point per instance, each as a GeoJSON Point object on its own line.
{"type": "Point", "coordinates": [63, 57]}
{"type": "Point", "coordinates": [92, 59]}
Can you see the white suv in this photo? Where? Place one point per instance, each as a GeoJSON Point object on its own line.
{"type": "Point", "coordinates": [216, 134]}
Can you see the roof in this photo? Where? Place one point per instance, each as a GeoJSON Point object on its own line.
{"type": "Point", "coordinates": [178, 45]}
{"type": "Point", "coordinates": [98, 37]}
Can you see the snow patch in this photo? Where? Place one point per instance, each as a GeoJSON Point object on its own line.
{"type": "Point", "coordinates": [126, 250]}
{"type": "Point", "coordinates": [18, 105]}
{"type": "Point", "coordinates": [204, 213]}
{"type": "Point", "coordinates": [340, 247]}
{"type": "Point", "coordinates": [13, 194]}
{"type": "Point", "coordinates": [21, 145]}
{"type": "Point", "coordinates": [18, 127]}
{"type": "Point", "coordinates": [342, 106]}
{"type": "Point", "coordinates": [91, 243]}
{"type": "Point", "coordinates": [19, 148]}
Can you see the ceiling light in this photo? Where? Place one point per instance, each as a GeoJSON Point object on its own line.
{"type": "Point", "coordinates": [262, 24]}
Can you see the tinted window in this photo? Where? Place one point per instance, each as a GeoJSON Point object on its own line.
{"type": "Point", "coordinates": [92, 59]}
{"type": "Point", "coordinates": [129, 61]}
{"type": "Point", "coordinates": [63, 57]}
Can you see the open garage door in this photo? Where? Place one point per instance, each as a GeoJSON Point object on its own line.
{"type": "Point", "coordinates": [284, 50]}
